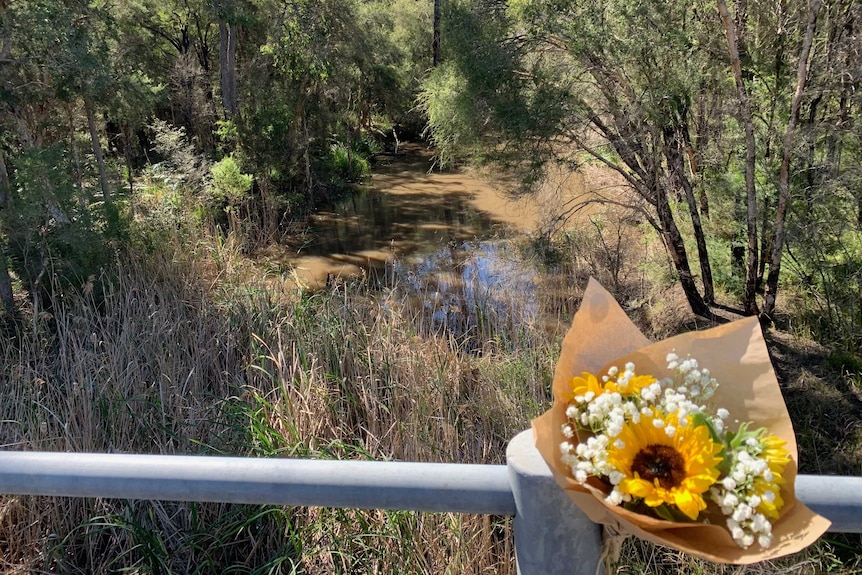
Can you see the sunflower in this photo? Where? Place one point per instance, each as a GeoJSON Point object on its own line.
{"type": "Point", "coordinates": [663, 462]}
{"type": "Point", "coordinates": [769, 492]}
{"type": "Point", "coordinates": [580, 386]}
{"type": "Point", "coordinates": [776, 456]}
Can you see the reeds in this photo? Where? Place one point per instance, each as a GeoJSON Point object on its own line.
{"type": "Point", "coordinates": [185, 351]}
{"type": "Point", "coordinates": [166, 354]}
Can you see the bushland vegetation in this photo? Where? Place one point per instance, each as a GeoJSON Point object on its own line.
{"type": "Point", "coordinates": [147, 149]}
{"type": "Point", "coordinates": [739, 123]}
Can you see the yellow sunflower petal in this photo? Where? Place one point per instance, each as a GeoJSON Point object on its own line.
{"type": "Point", "coordinates": [582, 385]}
{"type": "Point", "coordinates": [659, 469]}
{"type": "Point", "coordinates": [689, 503]}
{"type": "Point", "coordinates": [776, 456]}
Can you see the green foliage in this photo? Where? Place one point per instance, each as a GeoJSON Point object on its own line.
{"type": "Point", "coordinates": [450, 110]}
{"type": "Point", "coordinates": [479, 101]}
{"type": "Point", "coordinates": [347, 164]}
{"type": "Point", "coordinates": [182, 167]}
{"type": "Point", "coordinates": [229, 184]}
{"type": "Point", "coordinates": [55, 231]}
{"type": "Point", "coordinates": [227, 133]}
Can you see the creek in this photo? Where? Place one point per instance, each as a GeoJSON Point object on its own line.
{"type": "Point", "coordinates": [443, 238]}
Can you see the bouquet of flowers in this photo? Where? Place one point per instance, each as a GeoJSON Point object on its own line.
{"type": "Point", "coordinates": [685, 442]}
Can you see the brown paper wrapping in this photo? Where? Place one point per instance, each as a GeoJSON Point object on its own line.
{"type": "Point", "coordinates": [735, 353]}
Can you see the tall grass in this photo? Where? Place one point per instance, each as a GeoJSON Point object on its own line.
{"type": "Point", "coordinates": [165, 354]}
{"type": "Point", "coordinates": [183, 350]}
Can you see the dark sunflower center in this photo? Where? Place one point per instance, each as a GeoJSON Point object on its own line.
{"type": "Point", "coordinates": [660, 462]}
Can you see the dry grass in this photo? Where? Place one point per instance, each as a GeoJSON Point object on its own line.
{"type": "Point", "coordinates": [185, 351]}
{"type": "Point", "coordinates": [166, 355]}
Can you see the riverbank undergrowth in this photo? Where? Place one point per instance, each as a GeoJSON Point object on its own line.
{"type": "Point", "coordinates": [184, 350]}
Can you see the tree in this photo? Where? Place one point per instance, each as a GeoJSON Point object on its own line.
{"type": "Point", "coordinates": [58, 63]}
{"type": "Point", "coordinates": [435, 42]}
{"type": "Point", "coordinates": [177, 38]}
{"type": "Point", "coordinates": [227, 55]}
{"type": "Point", "coordinates": [6, 296]}
{"type": "Point", "coordinates": [610, 80]}
{"type": "Point", "coordinates": [749, 300]}
{"type": "Point", "coordinates": [781, 209]}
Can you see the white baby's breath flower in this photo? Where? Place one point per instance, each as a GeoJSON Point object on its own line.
{"type": "Point", "coordinates": [742, 513]}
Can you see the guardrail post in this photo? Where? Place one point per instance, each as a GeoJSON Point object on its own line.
{"type": "Point", "coordinates": [552, 535]}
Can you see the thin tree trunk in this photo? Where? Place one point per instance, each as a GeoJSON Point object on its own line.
{"type": "Point", "coordinates": [676, 248]}
{"type": "Point", "coordinates": [227, 67]}
{"type": "Point", "coordinates": [695, 154]}
{"type": "Point", "coordinates": [766, 242]}
{"type": "Point", "coordinates": [6, 294]}
{"type": "Point", "coordinates": [749, 301]}
{"type": "Point", "coordinates": [784, 170]}
{"type": "Point", "coordinates": [73, 145]}
{"type": "Point", "coordinates": [97, 151]}
{"type": "Point", "coordinates": [435, 40]}
{"type": "Point", "coordinates": [673, 153]}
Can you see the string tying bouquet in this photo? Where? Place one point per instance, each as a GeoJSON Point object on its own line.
{"type": "Point", "coordinates": [685, 442]}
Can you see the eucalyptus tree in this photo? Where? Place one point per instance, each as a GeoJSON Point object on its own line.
{"type": "Point", "coordinates": [788, 144]}
{"type": "Point", "coordinates": [58, 80]}
{"type": "Point", "coordinates": [795, 64]}
{"type": "Point", "coordinates": [616, 82]}
{"type": "Point", "coordinates": [745, 116]}
{"type": "Point", "coordinates": [815, 171]}
{"type": "Point", "coordinates": [228, 36]}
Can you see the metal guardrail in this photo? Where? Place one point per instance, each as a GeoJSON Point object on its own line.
{"type": "Point", "coordinates": [306, 482]}
{"type": "Point", "coordinates": [549, 529]}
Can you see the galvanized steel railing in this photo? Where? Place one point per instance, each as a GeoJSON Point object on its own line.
{"type": "Point", "coordinates": [549, 529]}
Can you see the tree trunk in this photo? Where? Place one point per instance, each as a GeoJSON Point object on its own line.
{"type": "Point", "coordinates": [435, 40]}
{"type": "Point", "coordinates": [766, 241]}
{"type": "Point", "coordinates": [749, 301]}
{"type": "Point", "coordinates": [97, 151]}
{"type": "Point", "coordinates": [73, 146]}
{"type": "Point", "coordinates": [676, 248]}
{"type": "Point", "coordinates": [6, 296]}
{"type": "Point", "coordinates": [227, 67]}
{"type": "Point", "coordinates": [673, 153]}
{"type": "Point", "coordinates": [784, 170]}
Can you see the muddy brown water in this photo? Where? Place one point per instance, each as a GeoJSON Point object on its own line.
{"type": "Point", "coordinates": [441, 237]}
{"type": "Point", "coordinates": [407, 212]}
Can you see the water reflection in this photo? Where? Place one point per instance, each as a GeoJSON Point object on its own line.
{"type": "Point", "coordinates": [405, 211]}
{"type": "Point", "coordinates": [440, 238]}
{"type": "Point", "coordinates": [479, 292]}
{"type": "Point", "coordinates": [373, 221]}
